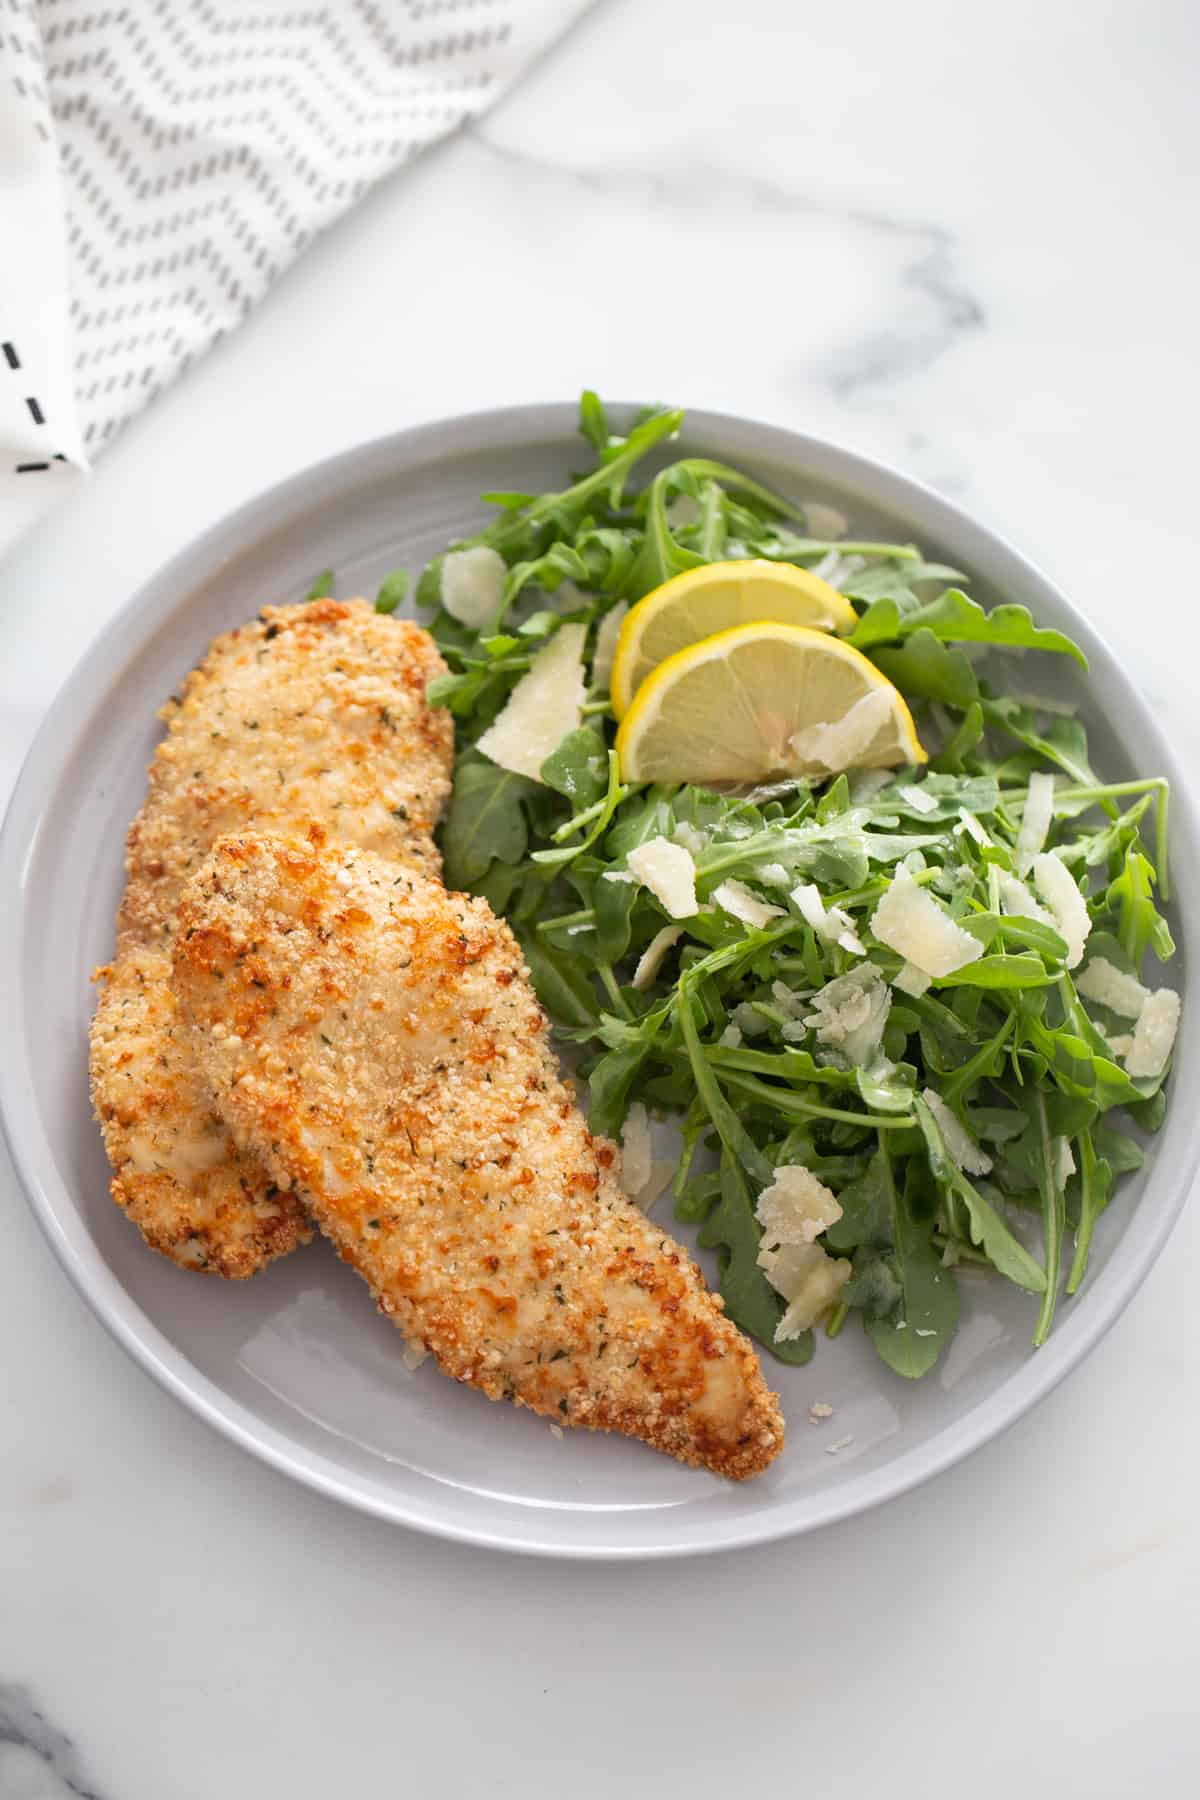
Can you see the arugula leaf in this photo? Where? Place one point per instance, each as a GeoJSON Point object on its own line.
{"type": "Point", "coordinates": [322, 586]}
{"type": "Point", "coordinates": [927, 669]}
{"type": "Point", "coordinates": [392, 590]}
{"type": "Point", "coordinates": [911, 1339]}
{"type": "Point", "coordinates": [953, 618]}
{"type": "Point", "coordinates": [486, 821]}
{"type": "Point", "coordinates": [1007, 1255]}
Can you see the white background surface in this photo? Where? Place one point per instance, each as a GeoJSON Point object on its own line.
{"type": "Point", "coordinates": [959, 238]}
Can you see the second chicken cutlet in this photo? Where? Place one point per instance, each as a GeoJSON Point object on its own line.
{"type": "Point", "coordinates": [376, 1042]}
{"type": "Point", "coordinates": [312, 714]}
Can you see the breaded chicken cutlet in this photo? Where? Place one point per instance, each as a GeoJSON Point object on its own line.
{"type": "Point", "coordinates": [375, 1040]}
{"type": "Point", "coordinates": [312, 715]}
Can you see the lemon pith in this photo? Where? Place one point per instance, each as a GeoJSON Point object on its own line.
{"type": "Point", "coordinates": [728, 708]}
{"type": "Point", "coordinates": [718, 597]}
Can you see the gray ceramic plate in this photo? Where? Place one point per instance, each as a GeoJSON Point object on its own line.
{"type": "Point", "coordinates": [295, 1365]}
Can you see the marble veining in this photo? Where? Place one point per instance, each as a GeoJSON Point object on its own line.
{"type": "Point", "coordinates": [903, 346]}
{"type": "Point", "coordinates": [37, 1760]}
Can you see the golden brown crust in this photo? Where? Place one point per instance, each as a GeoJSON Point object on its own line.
{"type": "Point", "coordinates": [376, 1041]}
{"type": "Point", "coordinates": [193, 1195]}
{"type": "Point", "coordinates": [311, 717]}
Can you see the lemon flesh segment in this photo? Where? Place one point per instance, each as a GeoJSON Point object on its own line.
{"type": "Point", "coordinates": [764, 700]}
{"type": "Point", "coordinates": [715, 598]}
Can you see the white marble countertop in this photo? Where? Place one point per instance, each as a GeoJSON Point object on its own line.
{"type": "Point", "coordinates": [960, 238]}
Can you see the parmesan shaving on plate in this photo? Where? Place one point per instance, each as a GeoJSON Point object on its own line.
{"type": "Point", "coordinates": [796, 1208]}
{"type": "Point", "coordinates": [735, 898]}
{"type": "Point", "coordinates": [1064, 1161]}
{"type": "Point", "coordinates": [849, 1014]}
{"type": "Point", "coordinates": [970, 824]}
{"type": "Point", "coordinates": [918, 799]}
{"type": "Point", "coordinates": [1154, 1035]}
{"type": "Point", "coordinates": [1109, 986]}
{"type": "Point", "coordinates": [691, 839]}
{"type": "Point", "coordinates": [543, 707]}
{"type": "Point", "coordinates": [473, 585]}
{"type": "Point", "coordinates": [839, 744]}
{"type": "Point", "coordinates": [910, 921]}
{"type": "Point", "coordinates": [1035, 821]}
{"type": "Point", "coordinates": [607, 633]}
{"type": "Point", "coordinates": [669, 872]}
{"type": "Point", "coordinates": [793, 1211]}
{"type": "Point", "coordinates": [961, 1147]}
{"type": "Point", "coordinates": [1059, 889]}
{"type": "Point", "coordinates": [810, 1281]}
{"type": "Point", "coordinates": [643, 1175]}
{"type": "Point", "coordinates": [911, 980]}
{"type": "Point", "coordinates": [830, 923]}
{"type": "Point", "coordinates": [1017, 900]}
{"type": "Point", "coordinates": [652, 957]}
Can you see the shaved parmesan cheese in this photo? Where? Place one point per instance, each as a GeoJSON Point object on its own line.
{"type": "Point", "coordinates": [839, 744]}
{"type": "Point", "coordinates": [849, 1014]}
{"type": "Point", "coordinates": [910, 921]}
{"type": "Point", "coordinates": [809, 1280]}
{"type": "Point", "coordinates": [543, 707]}
{"type": "Point", "coordinates": [821, 521]}
{"type": "Point", "coordinates": [1122, 1045]}
{"type": "Point", "coordinates": [773, 874]}
{"type": "Point", "coordinates": [651, 959]}
{"type": "Point", "coordinates": [637, 1150]}
{"type": "Point", "coordinates": [911, 980]}
{"type": "Point", "coordinates": [735, 898]}
{"type": "Point", "coordinates": [473, 585]}
{"type": "Point", "coordinates": [970, 824]}
{"type": "Point", "coordinates": [1035, 821]}
{"type": "Point", "coordinates": [607, 633]}
{"type": "Point", "coordinates": [1059, 889]}
{"type": "Point", "coordinates": [643, 1175]}
{"type": "Point", "coordinates": [748, 1019]}
{"type": "Point", "coordinates": [831, 924]}
{"type": "Point", "coordinates": [669, 872]}
{"type": "Point", "coordinates": [788, 1000]}
{"type": "Point", "coordinates": [1017, 900]}
{"type": "Point", "coordinates": [867, 783]}
{"type": "Point", "coordinates": [796, 1208]}
{"type": "Point", "coordinates": [413, 1354]}
{"type": "Point", "coordinates": [691, 839]}
{"type": "Point", "coordinates": [1112, 987]}
{"type": "Point", "coordinates": [961, 1147]}
{"type": "Point", "coordinates": [918, 799]}
{"type": "Point", "coordinates": [1064, 1161]}
{"type": "Point", "coordinates": [730, 1038]}
{"type": "Point", "coordinates": [1154, 1035]}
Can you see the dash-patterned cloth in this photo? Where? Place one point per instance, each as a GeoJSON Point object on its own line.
{"type": "Point", "coordinates": [161, 162]}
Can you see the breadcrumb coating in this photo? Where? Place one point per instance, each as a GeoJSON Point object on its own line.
{"type": "Point", "coordinates": [376, 1041]}
{"type": "Point", "coordinates": [312, 714]}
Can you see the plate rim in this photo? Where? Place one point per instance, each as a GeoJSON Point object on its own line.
{"type": "Point", "coordinates": [100, 664]}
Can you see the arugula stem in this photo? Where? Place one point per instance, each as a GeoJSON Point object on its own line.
{"type": "Point", "coordinates": [612, 989]}
{"type": "Point", "coordinates": [1054, 1216]}
{"type": "Point", "coordinates": [836, 1319]}
{"type": "Point", "coordinates": [585, 916]}
{"type": "Point", "coordinates": [1091, 1203]}
{"type": "Point", "coordinates": [807, 1109]}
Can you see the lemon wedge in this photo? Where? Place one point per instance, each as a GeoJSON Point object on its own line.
{"type": "Point", "coordinates": [764, 700]}
{"type": "Point", "coordinates": [714, 598]}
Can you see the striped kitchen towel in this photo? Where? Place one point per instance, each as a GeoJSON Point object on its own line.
{"type": "Point", "coordinates": [161, 162]}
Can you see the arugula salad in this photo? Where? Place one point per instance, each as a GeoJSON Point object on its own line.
{"type": "Point", "coordinates": [902, 1017]}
